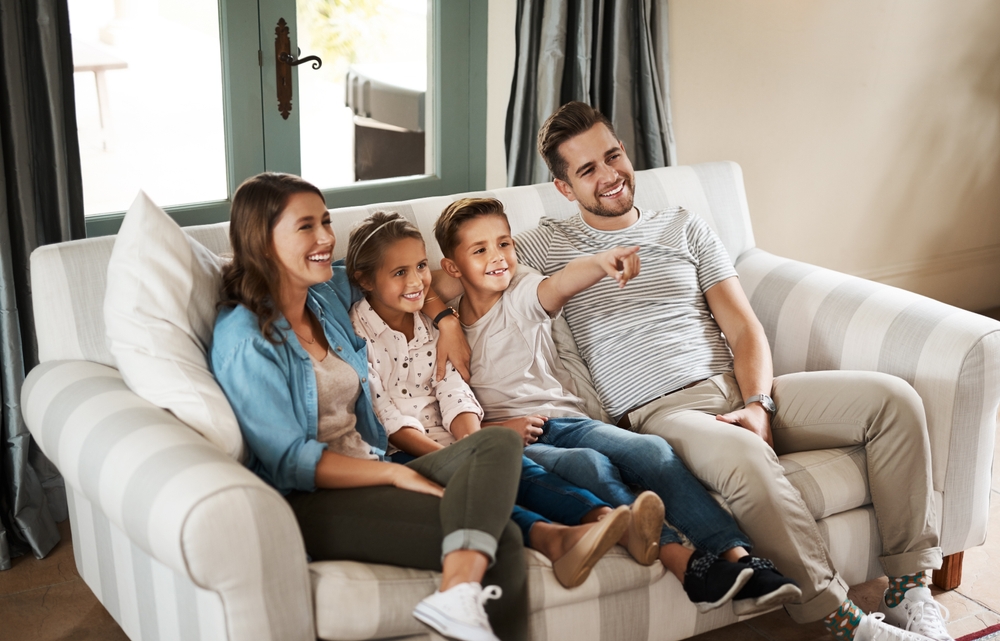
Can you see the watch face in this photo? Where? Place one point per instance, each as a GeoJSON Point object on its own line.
{"type": "Point", "coordinates": [765, 401]}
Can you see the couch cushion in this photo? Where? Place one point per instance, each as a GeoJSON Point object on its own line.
{"type": "Point", "coordinates": [365, 600]}
{"type": "Point", "coordinates": [830, 481]}
{"type": "Point", "coordinates": [159, 310]}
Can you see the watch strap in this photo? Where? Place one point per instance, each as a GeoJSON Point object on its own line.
{"type": "Point", "coordinates": [765, 401]}
{"type": "Point", "coordinates": [447, 311]}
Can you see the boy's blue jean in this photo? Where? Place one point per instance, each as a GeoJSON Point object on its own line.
{"type": "Point", "coordinates": [623, 459]}
{"type": "Point", "coordinates": [543, 496]}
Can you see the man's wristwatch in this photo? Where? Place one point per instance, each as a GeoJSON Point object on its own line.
{"type": "Point", "coordinates": [765, 401]}
{"type": "Point", "coordinates": [447, 311]}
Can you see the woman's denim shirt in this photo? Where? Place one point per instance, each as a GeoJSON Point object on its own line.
{"type": "Point", "coordinates": [272, 387]}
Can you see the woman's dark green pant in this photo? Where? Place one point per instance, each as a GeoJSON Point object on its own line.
{"type": "Point", "coordinates": [388, 525]}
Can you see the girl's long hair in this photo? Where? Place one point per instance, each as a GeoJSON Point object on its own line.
{"type": "Point", "coordinates": [252, 279]}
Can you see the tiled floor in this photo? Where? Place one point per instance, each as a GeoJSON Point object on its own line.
{"type": "Point", "coordinates": [47, 600]}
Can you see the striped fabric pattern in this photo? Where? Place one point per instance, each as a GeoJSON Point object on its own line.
{"type": "Point", "coordinates": [664, 304]}
{"type": "Point", "coordinates": [153, 500]}
{"type": "Point", "coordinates": [818, 319]}
{"type": "Point", "coordinates": [180, 542]}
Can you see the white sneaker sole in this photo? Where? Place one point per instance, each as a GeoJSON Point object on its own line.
{"type": "Point", "coordinates": [741, 580]}
{"type": "Point", "coordinates": [448, 627]}
{"type": "Point", "coordinates": [785, 594]}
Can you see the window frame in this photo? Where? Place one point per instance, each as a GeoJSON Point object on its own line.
{"type": "Point", "coordinates": [457, 82]}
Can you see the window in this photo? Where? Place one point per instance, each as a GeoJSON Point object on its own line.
{"type": "Point", "coordinates": [179, 98]}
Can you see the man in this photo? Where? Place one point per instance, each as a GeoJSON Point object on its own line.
{"type": "Point", "coordinates": [682, 355]}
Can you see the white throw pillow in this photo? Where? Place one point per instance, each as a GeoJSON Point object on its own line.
{"type": "Point", "coordinates": [159, 310]}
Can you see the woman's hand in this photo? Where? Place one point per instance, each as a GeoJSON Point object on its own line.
{"type": "Point", "coordinates": [452, 346]}
{"type": "Point", "coordinates": [529, 427]}
{"type": "Point", "coordinates": [406, 479]}
{"type": "Point", "coordinates": [337, 471]}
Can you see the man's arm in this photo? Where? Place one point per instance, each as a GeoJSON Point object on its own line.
{"type": "Point", "coordinates": [620, 263]}
{"type": "Point", "coordinates": [751, 354]}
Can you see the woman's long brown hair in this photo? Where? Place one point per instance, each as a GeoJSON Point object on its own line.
{"type": "Point", "coordinates": [252, 278]}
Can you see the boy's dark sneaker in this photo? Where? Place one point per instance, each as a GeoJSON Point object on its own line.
{"type": "Point", "coordinates": [766, 589]}
{"type": "Point", "coordinates": [710, 581]}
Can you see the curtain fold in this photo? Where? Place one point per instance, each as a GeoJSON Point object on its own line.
{"type": "Point", "coordinates": [609, 54]}
{"type": "Point", "coordinates": [41, 202]}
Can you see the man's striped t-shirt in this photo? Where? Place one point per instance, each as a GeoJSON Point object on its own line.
{"type": "Point", "coordinates": [657, 334]}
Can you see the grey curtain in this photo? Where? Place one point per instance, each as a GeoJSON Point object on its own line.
{"type": "Point", "coordinates": [41, 201]}
{"type": "Point", "coordinates": [610, 54]}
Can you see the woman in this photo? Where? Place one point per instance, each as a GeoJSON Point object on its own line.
{"type": "Point", "coordinates": [296, 374]}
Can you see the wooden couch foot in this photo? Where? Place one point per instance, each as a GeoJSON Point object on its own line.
{"type": "Point", "coordinates": [950, 575]}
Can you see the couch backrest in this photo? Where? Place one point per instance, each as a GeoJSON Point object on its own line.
{"type": "Point", "coordinates": [68, 279]}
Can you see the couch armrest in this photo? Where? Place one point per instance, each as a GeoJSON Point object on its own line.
{"type": "Point", "coordinates": [176, 496]}
{"type": "Point", "coordinates": [818, 319]}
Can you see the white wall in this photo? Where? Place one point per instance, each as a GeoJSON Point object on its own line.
{"type": "Point", "coordinates": [868, 130]}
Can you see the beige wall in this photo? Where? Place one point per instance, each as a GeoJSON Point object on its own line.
{"type": "Point", "coordinates": [502, 18]}
{"type": "Point", "coordinates": [868, 131]}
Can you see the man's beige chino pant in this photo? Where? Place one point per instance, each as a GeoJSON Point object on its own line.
{"type": "Point", "coordinates": [816, 410]}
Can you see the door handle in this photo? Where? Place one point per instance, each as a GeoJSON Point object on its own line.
{"type": "Point", "coordinates": [283, 63]}
{"type": "Point", "coordinates": [290, 60]}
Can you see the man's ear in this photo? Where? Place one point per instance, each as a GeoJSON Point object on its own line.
{"type": "Point", "coordinates": [565, 189]}
{"type": "Point", "coordinates": [451, 268]}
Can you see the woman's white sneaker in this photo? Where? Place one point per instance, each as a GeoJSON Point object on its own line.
{"type": "Point", "coordinates": [919, 612]}
{"type": "Point", "coordinates": [458, 613]}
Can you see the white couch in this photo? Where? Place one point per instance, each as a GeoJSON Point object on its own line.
{"type": "Point", "coordinates": [179, 541]}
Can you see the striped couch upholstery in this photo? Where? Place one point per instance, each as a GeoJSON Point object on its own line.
{"type": "Point", "coordinates": [181, 543]}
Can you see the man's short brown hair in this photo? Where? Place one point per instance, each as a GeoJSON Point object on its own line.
{"type": "Point", "coordinates": [570, 120]}
{"type": "Point", "coordinates": [450, 222]}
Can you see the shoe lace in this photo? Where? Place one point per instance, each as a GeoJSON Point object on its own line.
{"type": "Point", "coordinates": [699, 564]}
{"type": "Point", "coordinates": [758, 564]}
{"type": "Point", "coordinates": [487, 593]}
{"type": "Point", "coordinates": [927, 618]}
{"type": "Point", "coordinates": [885, 632]}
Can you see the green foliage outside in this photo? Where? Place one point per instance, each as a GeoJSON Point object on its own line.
{"type": "Point", "coordinates": [342, 31]}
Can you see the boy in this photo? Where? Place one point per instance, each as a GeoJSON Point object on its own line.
{"type": "Point", "coordinates": [520, 382]}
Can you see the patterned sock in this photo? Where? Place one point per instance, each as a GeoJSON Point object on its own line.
{"type": "Point", "coordinates": [899, 585]}
{"type": "Point", "coordinates": [844, 621]}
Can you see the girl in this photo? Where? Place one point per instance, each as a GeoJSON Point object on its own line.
{"type": "Point", "coordinates": [296, 374]}
{"type": "Point", "coordinates": [387, 259]}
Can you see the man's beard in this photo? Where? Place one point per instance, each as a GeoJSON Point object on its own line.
{"type": "Point", "coordinates": [598, 208]}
